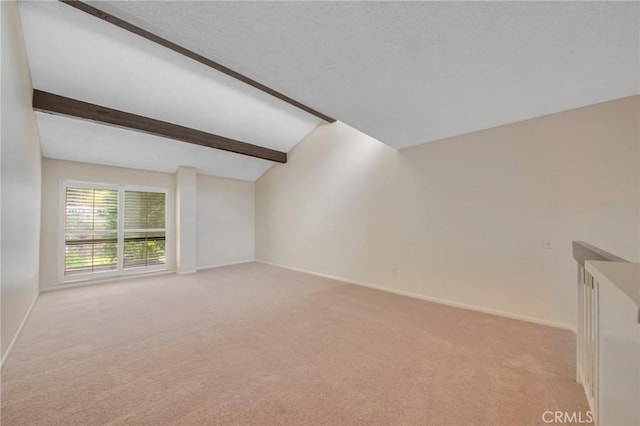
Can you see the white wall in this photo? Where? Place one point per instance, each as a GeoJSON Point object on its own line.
{"type": "Point", "coordinates": [462, 219]}
{"type": "Point", "coordinates": [186, 221]}
{"type": "Point", "coordinates": [21, 167]}
{"type": "Point", "coordinates": [226, 211]}
{"type": "Point", "coordinates": [54, 172]}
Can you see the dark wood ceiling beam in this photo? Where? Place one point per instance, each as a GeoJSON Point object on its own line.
{"type": "Point", "coordinates": [98, 13]}
{"type": "Point", "coordinates": [60, 105]}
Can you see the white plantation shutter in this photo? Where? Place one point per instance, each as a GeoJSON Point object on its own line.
{"type": "Point", "coordinates": [103, 236]}
{"type": "Point", "coordinates": [91, 230]}
{"type": "Point", "coordinates": [144, 229]}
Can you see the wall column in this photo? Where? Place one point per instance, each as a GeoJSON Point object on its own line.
{"type": "Point", "coordinates": [186, 242]}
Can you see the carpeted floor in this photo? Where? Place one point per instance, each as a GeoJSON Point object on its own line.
{"type": "Point", "coordinates": [259, 345]}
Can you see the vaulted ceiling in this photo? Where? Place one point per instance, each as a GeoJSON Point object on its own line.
{"type": "Point", "coordinates": [78, 56]}
{"type": "Point", "coordinates": [413, 72]}
{"type": "Point", "coordinates": [403, 72]}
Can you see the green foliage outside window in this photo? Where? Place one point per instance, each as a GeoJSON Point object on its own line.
{"type": "Point", "coordinates": [91, 224]}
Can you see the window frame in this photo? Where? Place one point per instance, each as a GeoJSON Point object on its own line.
{"type": "Point", "coordinates": [120, 270]}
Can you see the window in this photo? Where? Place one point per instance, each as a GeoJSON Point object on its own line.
{"type": "Point", "coordinates": [112, 230]}
{"type": "Point", "coordinates": [91, 231]}
{"type": "Point", "coordinates": [144, 232]}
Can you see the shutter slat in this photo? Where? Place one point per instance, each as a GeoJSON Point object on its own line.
{"type": "Point", "coordinates": [144, 211]}
{"type": "Point", "coordinates": [91, 230]}
{"type": "Point", "coordinates": [91, 223]}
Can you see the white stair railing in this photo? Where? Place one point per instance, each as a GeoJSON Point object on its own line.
{"type": "Point", "coordinates": [608, 335]}
{"type": "Point", "coordinates": [587, 354]}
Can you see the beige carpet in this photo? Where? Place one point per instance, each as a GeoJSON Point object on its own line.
{"type": "Point", "coordinates": [259, 345]}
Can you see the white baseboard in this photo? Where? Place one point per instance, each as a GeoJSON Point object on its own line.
{"type": "Point", "coordinates": [19, 330]}
{"type": "Point", "coordinates": [111, 280]}
{"type": "Point", "coordinates": [433, 299]}
{"type": "Point", "coordinates": [220, 265]}
{"type": "Point", "coordinates": [136, 276]}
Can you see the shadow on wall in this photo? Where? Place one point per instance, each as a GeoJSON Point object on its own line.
{"type": "Point", "coordinates": [461, 220]}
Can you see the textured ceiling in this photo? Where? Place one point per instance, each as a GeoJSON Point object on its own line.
{"type": "Point", "coordinates": [413, 72]}
{"type": "Point", "coordinates": [76, 55]}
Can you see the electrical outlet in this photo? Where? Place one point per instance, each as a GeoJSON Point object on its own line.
{"type": "Point", "coordinates": [547, 244]}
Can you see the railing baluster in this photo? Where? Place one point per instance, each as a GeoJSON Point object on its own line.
{"type": "Point", "coordinates": [586, 359]}
{"type": "Point", "coordinates": [580, 328]}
